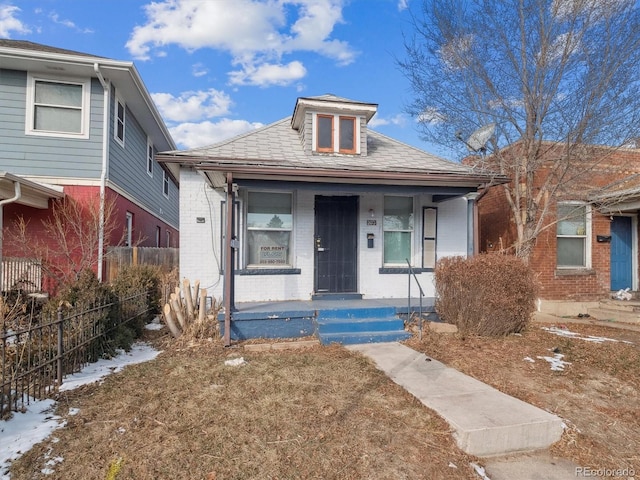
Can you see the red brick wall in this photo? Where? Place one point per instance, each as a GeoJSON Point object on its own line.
{"type": "Point", "coordinates": [498, 232]}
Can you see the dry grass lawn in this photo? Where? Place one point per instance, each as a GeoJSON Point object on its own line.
{"type": "Point", "coordinates": [327, 413]}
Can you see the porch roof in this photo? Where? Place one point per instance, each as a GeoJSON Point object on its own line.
{"type": "Point", "coordinates": [32, 194]}
{"type": "Point", "coordinates": [275, 152]}
{"type": "Point", "coordinates": [620, 196]}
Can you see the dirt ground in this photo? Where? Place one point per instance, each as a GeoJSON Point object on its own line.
{"type": "Point", "coordinates": [326, 413]}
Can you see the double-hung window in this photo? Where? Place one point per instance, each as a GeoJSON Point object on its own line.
{"type": "Point", "coordinates": [57, 108]}
{"type": "Point", "coordinates": [397, 224]}
{"type": "Point", "coordinates": [269, 227]}
{"type": "Point", "coordinates": [572, 234]}
{"type": "Point", "coordinates": [165, 183]}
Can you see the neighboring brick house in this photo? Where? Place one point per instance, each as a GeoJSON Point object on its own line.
{"type": "Point", "coordinates": [590, 246]}
{"type": "Point", "coordinates": [323, 207]}
{"type": "Point", "coordinates": [86, 126]}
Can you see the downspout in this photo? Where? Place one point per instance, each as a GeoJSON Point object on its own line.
{"type": "Point", "coordinates": [103, 173]}
{"type": "Point", "coordinates": [15, 198]}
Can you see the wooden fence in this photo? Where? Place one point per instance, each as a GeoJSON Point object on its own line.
{"type": "Point", "coordinates": [21, 274]}
{"type": "Point", "coordinates": [118, 257]}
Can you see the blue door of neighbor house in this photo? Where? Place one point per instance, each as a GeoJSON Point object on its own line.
{"type": "Point", "coordinates": [621, 253]}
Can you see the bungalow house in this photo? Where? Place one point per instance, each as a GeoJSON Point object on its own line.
{"type": "Point", "coordinates": [83, 126]}
{"type": "Point", "coordinates": [590, 249]}
{"type": "Point", "coordinates": [319, 207]}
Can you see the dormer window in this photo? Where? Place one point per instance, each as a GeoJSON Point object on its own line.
{"type": "Point", "coordinates": [327, 137]}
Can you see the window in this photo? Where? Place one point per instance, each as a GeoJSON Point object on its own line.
{"type": "Point", "coordinates": [269, 226]}
{"type": "Point", "coordinates": [165, 183]}
{"type": "Point", "coordinates": [149, 157]}
{"type": "Point", "coordinates": [573, 229]}
{"type": "Point", "coordinates": [325, 133]}
{"type": "Point", "coordinates": [57, 108]}
{"type": "Point", "coordinates": [119, 119]}
{"type": "Point", "coordinates": [157, 236]}
{"type": "Point", "coordinates": [344, 140]}
{"type": "Point", "coordinates": [347, 135]}
{"type": "Point", "coordinates": [397, 224]}
{"type": "Point", "coordinates": [429, 222]}
{"type": "Point", "coordinates": [128, 233]}
{"type": "Point", "coordinates": [168, 238]}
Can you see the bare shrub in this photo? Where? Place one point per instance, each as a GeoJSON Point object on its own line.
{"type": "Point", "coordinates": [488, 295]}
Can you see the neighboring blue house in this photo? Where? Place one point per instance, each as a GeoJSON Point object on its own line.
{"type": "Point", "coordinates": [85, 125]}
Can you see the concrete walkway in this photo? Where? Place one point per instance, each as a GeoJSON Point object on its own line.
{"type": "Point", "coordinates": [486, 422]}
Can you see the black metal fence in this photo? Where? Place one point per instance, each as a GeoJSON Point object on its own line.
{"type": "Point", "coordinates": [34, 358]}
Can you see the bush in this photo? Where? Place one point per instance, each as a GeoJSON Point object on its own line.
{"type": "Point", "coordinates": [134, 279]}
{"type": "Point", "coordinates": [488, 295]}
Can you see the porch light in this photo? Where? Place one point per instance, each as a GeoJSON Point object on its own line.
{"type": "Point", "coordinates": [372, 213]}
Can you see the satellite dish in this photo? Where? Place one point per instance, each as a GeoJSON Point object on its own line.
{"type": "Point", "coordinates": [479, 138]}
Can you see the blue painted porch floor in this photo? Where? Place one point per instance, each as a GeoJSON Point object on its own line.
{"type": "Point", "coordinates": [350, 321]}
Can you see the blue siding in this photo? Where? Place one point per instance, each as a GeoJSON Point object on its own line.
{"type": "Point", "coordinates": [45, 156]}
{"type": "Point", "coordinates": [128, 170]}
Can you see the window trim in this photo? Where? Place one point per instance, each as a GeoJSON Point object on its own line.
{"type": "Point", "coordinates": [290, 260]}
{"type": "Point", "coordinates": [117, 100]}
{"type": "Point", "coordinates": [165, 183]}
{"type": "Point", "coordinates": [129, 229]}
{"type": "Point", "coordinates": [588, 236]}
{"type": "Point", "coordinates": [412, 231]}
{"type": "Point", "coordinates": [85, 113]}
{"type": "Point", "coordinates": [335, 133]}
{"type": "Point", "coordinates": [150, 157]}
{"type": "Point", "coordinates": [353, 150]}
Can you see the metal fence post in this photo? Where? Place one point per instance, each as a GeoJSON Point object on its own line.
{"type": "Point", "coordinates": [60, 345]}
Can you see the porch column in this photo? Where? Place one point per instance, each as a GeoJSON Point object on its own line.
{"type": "Point", "coordinates": [472, 224]}
{"type": "Point", "coordinates": [229, 303]}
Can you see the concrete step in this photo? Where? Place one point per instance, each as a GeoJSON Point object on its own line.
{"type": "Point", "coordinates": [607, 314]}
{"type": "Point", "coordinates": [364, 312]}
{"type": "Point", "coordinates": [620, 305]}
{"type": "Point", "coordinates": [355, 338]}
{"type": "Point", "coordinates": [486, 422]}
{"type": "Point", "coordinates": [355, 325]}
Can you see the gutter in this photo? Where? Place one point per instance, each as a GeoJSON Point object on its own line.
{"type": "Point", "coordinates": [103, 173]}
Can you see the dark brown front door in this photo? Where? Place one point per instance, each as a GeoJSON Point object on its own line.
{"type": "Point", "coordinates": [336, 244]}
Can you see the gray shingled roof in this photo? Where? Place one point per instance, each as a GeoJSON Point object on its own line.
{"type": "Point", "coordinates": [278, 145]}
{"type": "Point", "coordinates": [38, 47]}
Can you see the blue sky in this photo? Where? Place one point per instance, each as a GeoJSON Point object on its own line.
{"type": "Point", "coordinates": [217, 68]}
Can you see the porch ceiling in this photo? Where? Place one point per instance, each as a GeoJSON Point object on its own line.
{"type": "Point", "coordinates": [33, 194]}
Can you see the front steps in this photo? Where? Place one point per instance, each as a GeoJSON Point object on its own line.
{"type": "Point", "coordinates": [613, 310]}
{"type": "Point", "coordinates": [360, 325]}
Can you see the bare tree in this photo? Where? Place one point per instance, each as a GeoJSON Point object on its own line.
{"type": "Point", "coordinates": [70, 239]}
{"type": "Point", "coordinates": [555, 76]}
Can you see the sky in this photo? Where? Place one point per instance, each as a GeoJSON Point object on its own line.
{"type": "Point", "coordinates": [219, 68]}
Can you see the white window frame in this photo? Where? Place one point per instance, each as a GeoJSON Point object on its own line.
{"type": "Point", "coordinates": [168, 238]}
{"type": "Point", "coordinates": [165, 183]}
{"type": "Point", "coordinates": [129, 226]}
{"type": "Point", "coordinates": [587, 236]}
{"type": "Point", "coordinates": [116, 120]}
{"type": "Point", "coordinates": [149, 157]}
{"type": "Point", "coordinates": [290, 260]}
{"type": "Point", "coordinates": [158, 233]}
{"type": "Point", "coordinates": [411, 231]}
{"type": "Point", "coordinates": [30, 108]}
{"type": "Point", "coordinates": [335, 148]}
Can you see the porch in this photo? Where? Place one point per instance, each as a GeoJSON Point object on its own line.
{"type": "Point", "coordinates": [346, 321]}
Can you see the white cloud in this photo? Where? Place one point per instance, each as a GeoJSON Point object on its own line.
{"type": "Point", "coordinates": [256, 33]}
{"type": "Point", "coordinates": [193, 135]}
{"type": "Point", "coordinates": [431, 115]}
{"type": "Point", "coordinates": [192, 106]}
{"type": "Point", "coordinates": [199, 70]}
{"type": "Point", "coordinates": [268, 74]}
{"type": "Point", "coordinates": [403, 5]}
{"type": "Point", "coordinates": [596, 9]}
{"type": "Point", "coordinates": [9, 23]}
{"type": "Point", "coordinates": [399, 120]}
{"type": "Point", "coordinates": [67, 23]}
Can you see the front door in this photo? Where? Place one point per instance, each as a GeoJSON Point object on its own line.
{"type": "Point", "coordinates": [336, 244]}
{"type": "Point", "coordinates": [621, 254]}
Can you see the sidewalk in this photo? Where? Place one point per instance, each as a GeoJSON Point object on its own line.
{"type": "Point", "coordinates": [485, 421]}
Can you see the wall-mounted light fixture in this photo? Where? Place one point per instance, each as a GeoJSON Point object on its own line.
{"type": "Point", "coordinates": [372, 213]}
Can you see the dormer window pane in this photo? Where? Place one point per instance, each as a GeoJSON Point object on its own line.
{"type": "Point", "coordinates": [325, 133]}
{"type": "Point", "coordinates": [347, 134]}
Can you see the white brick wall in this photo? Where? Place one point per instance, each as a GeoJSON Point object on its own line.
{"type": "Point", "coordinates": [200, 250]}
